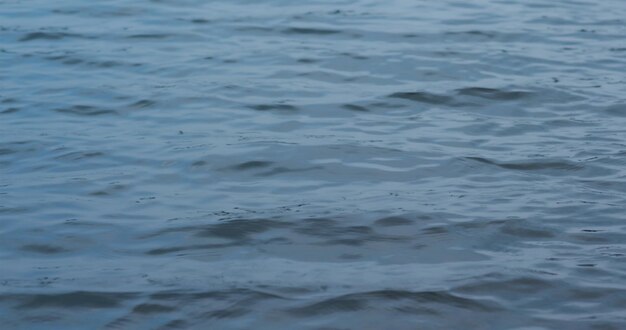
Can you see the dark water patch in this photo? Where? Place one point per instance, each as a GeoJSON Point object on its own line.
{"type": "Point", "coordinates": [20, 147]}
{"type": "Point", "coordinates": [176, 249]}
{"type": "Point", "coordinates": [393, 221]}
{"type": "Point", "coordinates": [525, 230]}
{"type": "Point", "coordinates": [147, 308]}
{"type": "Point", "coordinates": [355, 56]}
{"type": "Point", "coordinates": [149, 36]}
{"type": "Point", "coordinates": [270, 107]}
{"type": "Point", "coordinates": [493, 94]}
{"type": "Point", "coordinates": [569, 123]}
{"type": "Point", "coordinates": [6, 151]}
{"type": "Point", "coordinates": [481, 224]}
{"type": "Point", "coordinates": [491, 37]}
{"type": "Point", "coordinates": [596, 238]}
{"type": "Point", "coordinates": [77, 299]}
{"type": "Point", "coordinates": [522, 229]}
{"type": "Point", "coordinates": [324, 228]}
{"type": "Point", "coordinates": [247, 294]}
{"type": "Point", "coordinates": [120, 323]}
{"type": "Point", "coordinates": [199, 163]}
{"type": "Point", "coordinates": [10, 110]}
{"type": "Point", "coordinates": [231, 312]}
{"type": "Point", "coordinates": [434, 230]}
{"type": "Point", "coordinates": [303, 238]}
{"type": "Point", "coordinates": [307, 60]}
{"type": "Point", "coordinates": [232, 229]}
{"type": "Point", "coordinates": [13, 210]}
{"type": "Point", "coordinates": [386, 105]}
{"type": "Point", "coordinates": [483, 34]}
{"type": "Point", "coordinates": [531, 166]}
{"type": "Point", "coordinates": [72, 61]}
{"type": "Point", "coordinates": [43, 248]}
{"type": "Point", "coordinates": [101, 64]}
{"type": "Point", "coordinates": [175, 324]}
{"type": "Point", "coordinates": [526, 285]}
{"type": "Point", "coordinates": [310, 31]}
{"type": "Point", "coordinates": [618, 110]}
{"type": "Point", "coordinates": [424, 97]}
{"type": "Point", "coordinates": [48, 36]}
{"type": "Point", "coordinates": [480, 97]}
{"type": "Point", "coordinates": [253, 164]}
{"type": "Point", "coordinates": [141, 104]}
{"type": "Point", "coordinates": [375, 299]}
{"type": "Point", "coordinates": [79, 155]}
{"type": "Point", "coordinates": [284, 170]}
{"type": "Point", "coordinates": [66, 11]}
{"type": "Point", "coordinates": [354, 107]}
{"type": "Point", "coordinates": [333, 305]}
{"type": "Point", "coordinates": [332, 233]}
{"type": "Point", "coordinates": [112, 64]}
{"type": "Point", "coordinates": [345, 241]}
{"type": "Point", "coordinates": [86, 110]}
{"type": "Point", "coordinates": [200, 21]}
{"type": "Point", "coordinates": [111, 189]}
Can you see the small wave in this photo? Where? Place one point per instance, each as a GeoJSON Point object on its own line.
{"type": "Point", "coordinates": [86, 110]}
{"type": "Point", "coordinates": [278, 107]}
{"type": "Point", "coordinates": [48, 36]}
{"type": "Point", "coordinates": [77, 299]}
{"type": "Point", "coordinates": [531, 165]}
{"type": "Point", "coordinates": [493, 94]}
{"type": "Point", "coordinates": [150, 36]}
{"type": "Point", "coordinates": [354, 107]}
{"type": "Point", "coordinates": [423, 97]}
{"type": "Point", "coordinates": [365, 300]}
{"type": "Point", "coordinates": [252, 164]}
{"type": "Point", "coordinates": [312, 31]}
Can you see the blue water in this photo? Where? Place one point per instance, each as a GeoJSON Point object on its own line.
{"type": "Point", "coordinates": [279, 164]}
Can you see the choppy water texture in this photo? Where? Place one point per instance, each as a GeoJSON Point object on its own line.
{"type": "Point", "coordinates": [357, 164]}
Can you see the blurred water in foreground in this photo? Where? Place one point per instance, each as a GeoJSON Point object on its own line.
{"type": "Point", "coordinates": [358, 164]}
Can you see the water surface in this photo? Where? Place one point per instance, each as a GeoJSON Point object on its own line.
{"type": "Point", "coordinates": [280, 164]}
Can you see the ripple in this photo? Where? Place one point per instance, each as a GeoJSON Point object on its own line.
{"type": "Point", "coordinates": [312, 31]}
{"type": "Point", "coordinates": [361, 301]}
{"type": "Point", "coordinates": [43, 248]}
{"type": "Point", "coordinates": [531, 166]}
{"type": "Point", "coordinates": [354, 107]}
{"type": "Point", "coordinates": [252, 165]}
{"type": "Point", "coordinates": [10, 110]}
{"type": "Point", "coordinates": [48, 36]}
{"type": "Point", "coordinates": [77, 299]}
{"type": "Point", "coordinates": [86, 110]}
{"type": "Point", "coordinates": [618, 110]}
{"type": "Point", "coordinates": [493, 94]}
{"type": "Point", "coordinates": [150, 36]}
{"type": "Point", "coordinates": [393, 221]}
{"type": "Point", "coordinates": [423, 97]}
{"type": "Point", "coordinates": [279, 107]}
